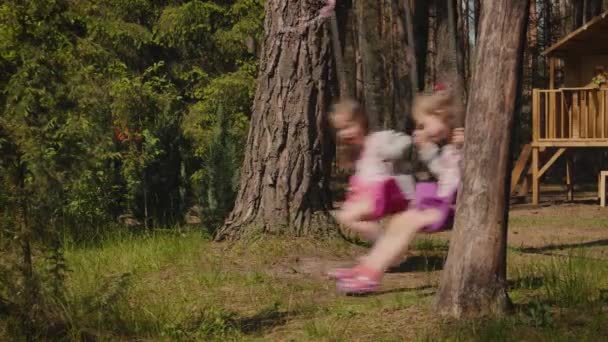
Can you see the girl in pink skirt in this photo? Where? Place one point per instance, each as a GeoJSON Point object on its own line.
{"type": "Point", "coordinates": [432, 208]}
{"type": "Point", "coordinates": [375, 190]}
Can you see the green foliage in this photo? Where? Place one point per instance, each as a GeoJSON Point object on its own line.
{"type": "Point", "coordinates": [128, 93]}
{"type": "Point", "coordinates": [110, 107]}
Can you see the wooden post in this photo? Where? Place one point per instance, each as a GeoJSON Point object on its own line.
{"type": "Point", "coordinates": [535, 178]}
{"type": "Point", "coordinates": [552, 73]}
{"type": "Point", "coordinates": [552, 114]}
{"type": "Point", "coordinates": [576, 115]}
{"type": "Point", "coordinates": [569, 178]}
{"type": "Point", "coordinates": [603, 113]}
{"type": "Point", "coordinates": [535, 115]}
{"type": "Point", "coordinates": [602, 189]}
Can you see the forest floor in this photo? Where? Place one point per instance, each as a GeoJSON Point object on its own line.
{"type": "Point", "coordinates": [169, 286]}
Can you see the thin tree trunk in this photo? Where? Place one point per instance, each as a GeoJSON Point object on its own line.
{"type": "Point", "coordinates": [464, 43]}
{"type": "Point", "coordinates": [578, 13]}
{"type": "Point", "coordinates": [566, 17]}
{"type": "Point", "coordinates": [593, 9]}
{"type": "Point", "coordinates": [403, 66]}
{"type": "Point", "coordinates": [371, 44]}
{"type": "Point", "coordinates": [347, 22]}
{"type": "Point", "coordinates": [408, 26]}
{"type": "Point", "coordinates": [421, 34]}
{"type": "Point", "coordinates": [284, 181]}
{"type": "Point", "coordinates": [477, 16]}
{"type": "Point", "coordinates": [27, 269]}
{"type": "Point", "coordinates": [474, 278]}
{"type": "Point", "coordinates": [385, 59]}
{"type": "Point", "coordinates": [343, 84]}
{"type": "Point", "coordinates": [431, 50]}
{"type": "Point", "coordinates": [449, 52]}
{"type": "Point", "coordinates": [446, 65]}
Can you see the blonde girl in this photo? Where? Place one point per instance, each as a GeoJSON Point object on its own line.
{"type": "Point", "coordinates": [374, 190]}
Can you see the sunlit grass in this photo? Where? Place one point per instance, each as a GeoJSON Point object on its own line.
{"type": "Point", "coordinates": [182, 286]}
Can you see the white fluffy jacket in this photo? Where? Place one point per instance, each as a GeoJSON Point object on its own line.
{"type": "Point", "coordinates": [377, 162]}
{"type": "Point", "coordinates": [444, 163]}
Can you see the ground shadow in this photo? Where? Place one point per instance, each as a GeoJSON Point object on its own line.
{"type": "Point", "coordinates": [553, 247]}
{"type": "Point", "coordinates": [398, 290]}
{"type": "Point", "coordinates": [262, 321]}
{"type": "Point", "coordinates": [420, 263]}
{"type": "Point", "coordinates": [521, 204]}
{"type": "Point", "coordinates": [527, 282]}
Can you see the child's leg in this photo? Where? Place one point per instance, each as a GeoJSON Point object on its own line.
{"type": "Point", "coordinates": [352, 215]}
{"type": "Point", "coordinates": [400, 231]}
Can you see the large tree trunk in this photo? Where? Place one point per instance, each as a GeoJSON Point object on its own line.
{"type": "Point", "coordinates": [474, 278]}
{"type": "Point", "coordinates": [284, 185]}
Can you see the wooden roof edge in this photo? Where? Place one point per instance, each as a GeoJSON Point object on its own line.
{"type": "Point", "coordinates": [575, 33]}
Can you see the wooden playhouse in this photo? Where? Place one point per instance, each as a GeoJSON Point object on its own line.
{"type": "Point", "coordinates": [571, 114]}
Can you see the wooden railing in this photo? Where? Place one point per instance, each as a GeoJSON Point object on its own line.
{"type": "Point", "coordinates": [577, 115]}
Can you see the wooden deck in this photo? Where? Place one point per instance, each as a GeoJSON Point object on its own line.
{"type": "Point", "coordinates": [570, 117]}
{"type": "Point", "coordinates": [562, 120]}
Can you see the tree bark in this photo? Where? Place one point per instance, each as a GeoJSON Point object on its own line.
{"type": "Point", "coordinates": [474, 278]}
{"type": "Point", "coordinates": [284, 181]}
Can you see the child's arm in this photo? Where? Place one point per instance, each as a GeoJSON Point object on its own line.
{"type": "Point", "coordinates": [395, 144]}
{"type": "Point", "coordinates": [429, 153]}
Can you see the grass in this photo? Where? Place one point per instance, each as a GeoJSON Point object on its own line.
{"type": "Point", "coordinates": [185, 287]}
{"type": "Point", "coordinates": [181, 286]}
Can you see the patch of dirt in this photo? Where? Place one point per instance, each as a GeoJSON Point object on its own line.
{"type": "Point", "coordinates": [551, 230]}
{"type": "Point", "coordinates": [418, 272]}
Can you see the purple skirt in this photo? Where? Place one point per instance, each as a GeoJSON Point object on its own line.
{"type": "Point", "coordinates": [426, 198]}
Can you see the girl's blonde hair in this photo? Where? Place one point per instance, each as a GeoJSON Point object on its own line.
{"type": "Point", "coordinates": [354, 110]}
{"type": "Point", "coordinates": [347, 154]}
{"type": "Point", "coordinates": [443, 104]}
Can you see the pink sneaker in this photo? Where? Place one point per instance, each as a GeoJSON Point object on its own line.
{"type": "Point", "coordinates": [342, 273]}
{"type": "Point", "coordinates": [358, 284]}
{"type": "Point", "coordinates": [366, 280]}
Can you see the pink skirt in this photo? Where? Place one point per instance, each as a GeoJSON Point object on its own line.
{"type": "Point", "coordinates": [386, 196]}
